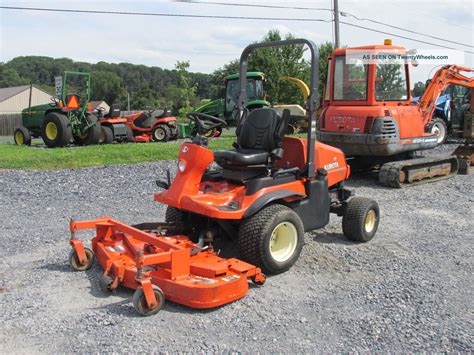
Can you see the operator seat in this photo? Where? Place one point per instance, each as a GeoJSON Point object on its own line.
{"type": "Point", "coordinates": [259, 141]}
{"type": "Point", "coordinates": [143, 121]}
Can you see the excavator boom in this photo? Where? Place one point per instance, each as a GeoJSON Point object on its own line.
{"type": "Point", "coordinates": [445, 76]}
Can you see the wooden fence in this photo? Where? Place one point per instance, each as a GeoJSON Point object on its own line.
{"type": "Point", "coordinates": [9, 122]}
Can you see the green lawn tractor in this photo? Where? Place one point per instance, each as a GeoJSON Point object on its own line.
{"type": "Point", "coordinates": [67, 119]}
{"type": "Point", "coordinates": [227, 108]}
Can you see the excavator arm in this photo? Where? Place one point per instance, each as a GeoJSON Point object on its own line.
{"type": "Point", "coordinates": [445, 76]}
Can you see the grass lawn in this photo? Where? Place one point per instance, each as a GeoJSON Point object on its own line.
{"type": "Point", "coordinates": [38, 157]}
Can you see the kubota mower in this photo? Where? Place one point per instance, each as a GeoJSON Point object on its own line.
{"type": "Point", "coordinates": [152, 126]}
{"type": "Point", "coordinates": [265, 194]}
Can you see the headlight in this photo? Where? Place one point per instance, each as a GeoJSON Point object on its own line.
{"type": "Point", "coordinates": [181, 166]}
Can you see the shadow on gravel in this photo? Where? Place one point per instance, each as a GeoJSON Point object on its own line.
{"type": "Point", "coordinates": [62, 267]}
{"type": "Point", "coordinates": [366, 179]}
{"type": "Point", "coordinates": [331, 238]}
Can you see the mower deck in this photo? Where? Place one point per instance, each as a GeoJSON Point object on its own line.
{"type": "Point", "coordinates": [153, 254]}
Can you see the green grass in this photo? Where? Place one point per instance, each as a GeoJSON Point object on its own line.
{"type": "Point", "coordinates": [37, 157]}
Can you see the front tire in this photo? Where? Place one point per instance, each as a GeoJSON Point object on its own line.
{"type": "Point", "coordinates": [272, 239]}
{"type": "Point", "coordinates": [22, 136]}
{"type": "Point", "coordinates": [438, 127]}
{"type": "Point", "coordinates": [173, 215]}
{"type": "Point", "coordinates": [161, 133]}
{"type": "Point", "coordinates": [361, 219]}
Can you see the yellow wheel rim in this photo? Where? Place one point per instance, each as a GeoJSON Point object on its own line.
{"type": "Point", "coordinates": [51, 131]}
{"type": "Point", "coordinates": [370, 221]}
{"type": "Point", "coordinates": [283, 241]}
{"type": "Point", "coordinates": [19, 138]}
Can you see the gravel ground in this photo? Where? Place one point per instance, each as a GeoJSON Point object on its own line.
{"type": "Point", "coordinates": [409, 289]}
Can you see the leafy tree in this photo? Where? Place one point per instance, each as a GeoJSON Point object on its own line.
{"type": "Point", "coordinates": [10, 77]}
{"type": "Point", "coordinates": [106, 86]}
{"type": "Point", "coordinates": [325, 50]}
{"type": "Point", "coordinates": [390, 82]}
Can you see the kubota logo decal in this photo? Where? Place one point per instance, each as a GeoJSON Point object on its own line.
{"type": "Point", "coordinates": [185, 149]}
{"type": "Point", "coordinates": [331, 166]}
{"type": "Point", "coordinates": [343, 119]}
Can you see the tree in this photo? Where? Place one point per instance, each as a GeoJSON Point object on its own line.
{"type": "Point", "coordinates": [10, 77]}
{"type": "Point", "coordinates": [106, 86]}
{"type": "Point", "coordinates": [325, 51]}
{"type": "Point", "coordinates": [276, 62]}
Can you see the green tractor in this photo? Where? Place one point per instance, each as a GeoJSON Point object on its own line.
{"type": "Point", "coordinates": [227, 108]}
{"type": "Point", "coordinates": [65, 120]}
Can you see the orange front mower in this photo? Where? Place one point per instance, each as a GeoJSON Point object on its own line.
{"type": "Point", "coordinates": [263, 195]}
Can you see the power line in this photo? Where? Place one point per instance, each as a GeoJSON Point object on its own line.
{"type": "Point", "coordinates": [102, 12]}
{"type": "Point", "coordinates": [346, 14]}
{"type": "Point", "coordinates": [400, 36]}
{"type": "Point", "coordinates": [254, 5]}
{"type": "Point", "coordinates": [216, 17]}
{"type": "Point", "coordinates": [342, 13]}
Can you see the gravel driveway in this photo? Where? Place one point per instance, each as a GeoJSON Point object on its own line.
{"type": "Point", "coordinates": [409, 289]}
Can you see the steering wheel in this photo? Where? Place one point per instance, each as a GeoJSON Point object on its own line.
{"type": "Point", "coordinates": [205, 122]}
{"type": "Point", "coordinates": [54, 101]}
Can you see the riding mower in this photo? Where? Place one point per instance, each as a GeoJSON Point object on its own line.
{"type": "Point", "coordinates": [152, 126]}
{"type": "Point", "coordinates": [113, 127]}
{"type": "Point", "coordinates": [265, 194]}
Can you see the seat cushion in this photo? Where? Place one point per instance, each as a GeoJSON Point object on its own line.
{"type": "Point", "coordinates": [241, 157]}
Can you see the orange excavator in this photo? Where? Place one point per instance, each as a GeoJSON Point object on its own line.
{"type": "Point", "coordinates": [369, 114]}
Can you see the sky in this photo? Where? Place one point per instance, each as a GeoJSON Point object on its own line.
{"type": "Point", "coordinates": [210, 43]}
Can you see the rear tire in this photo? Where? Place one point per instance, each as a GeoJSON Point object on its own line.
{"type": "Point", "coordinates": [129, 133]}
{"type": "Point", "coordinates": [272, 238]}
{"type": "Point", "coordinates": [438, 126]}
{"type": "Point", "coordinates": [56, 131]}
{"type": "Point", "coordinates": [106, 136]}
{"type": "Point", "coordinates": [92, 136]}
{"type": "Point", "coordinates": [361, 219]}
{"type": "Point", "coordinates": [161, 133]}
{"type": "Point", "coordinates": [22, 136]}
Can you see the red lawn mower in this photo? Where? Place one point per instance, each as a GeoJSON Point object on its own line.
{"type": "Point", "coordinates": [153, 125]}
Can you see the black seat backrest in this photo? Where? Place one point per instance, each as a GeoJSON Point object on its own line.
{"type": "Point", "coordinates": [263, 129]}
{"type": "Point", "coordinates": [114, 111]}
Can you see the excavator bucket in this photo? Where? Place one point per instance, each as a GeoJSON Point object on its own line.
{"type": "Point", "coordinates": [155, 260]}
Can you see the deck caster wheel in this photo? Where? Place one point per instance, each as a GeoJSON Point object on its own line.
{"type": "Point", "coordinates": [140, 305]}
{"type": "Point", "coordinates": [361, 219]}
{"type": "Point", "coordinates": [74, 260]}
{"type": "Point", "coordinates": [259, 279]}
{"type": "Point", "coordinates": [105, 283]}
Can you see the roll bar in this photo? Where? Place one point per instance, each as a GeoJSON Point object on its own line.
{"type": "Point", "coordinates": [312, 101]}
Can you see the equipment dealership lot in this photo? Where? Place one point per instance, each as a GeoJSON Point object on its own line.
{"type": "Point", "coordinates": [410, 289]}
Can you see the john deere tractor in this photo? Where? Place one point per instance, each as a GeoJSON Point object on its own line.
{"type": "Point", "coordinates": [66, 119]}
{"type": "Point", "coordinates": [227, 108]}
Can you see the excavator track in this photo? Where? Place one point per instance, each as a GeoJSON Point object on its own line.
{"type": "Point", "coordinates": [417, 171]}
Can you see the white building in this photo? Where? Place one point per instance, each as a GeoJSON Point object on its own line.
{"type": "Point", "coordinates": [17, 98]}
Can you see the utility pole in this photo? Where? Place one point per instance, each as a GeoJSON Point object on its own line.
{"type": "Point", "coordinates": [128, 101]}
{"type": "Point", "coordinates": [336, 23]}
